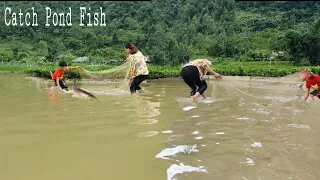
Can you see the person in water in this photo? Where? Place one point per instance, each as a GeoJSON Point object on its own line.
{"type": "Point", "coordinates": [58, 76]}
{"type": "Point", "coordinates": [138, 67]}
{"type": "Point", "coordinates": [193, 75]}
{"type": "Point", "coordinates": [312, 81]}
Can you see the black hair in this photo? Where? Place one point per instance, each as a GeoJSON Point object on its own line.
{"type": "Point", "coordinates": [63, 63]}
{"type": "Point", "coordinates": [133, 49]}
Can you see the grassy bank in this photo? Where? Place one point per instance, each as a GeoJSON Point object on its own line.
{"type": "Point", "coordinates": [261, 69]}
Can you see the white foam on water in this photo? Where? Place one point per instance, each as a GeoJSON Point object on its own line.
{"type": "Point", "coordinates": [195, 132]}
{"type": "Point", "coordinates": [147, 121]}
{"type": "Point", "coordinates": [296, 112]}
{"type": "Point", "coordinates": [266, 121]}
{"type": "Point", "coordinates": [219, 132]}
{"type": "Point", "coordinates": [188, 108]}
{"type": "Point", "coordinates": [183, 99]}
{"type": "Point", "coordinates": [250, 161]}
{"type": "Point", "coordinates": [243, 118]}
{"type": "Point", "coordinates": [199, 137]}
{"type": "Point", "coordinates": [281, 98]}
{"type": "Point", "coordinates": [256, 144]}
{"type": "Point", "coordinates": [208, 100]}
{"type": "Point", "coordinates": [179, 149]}
{"type": "Point", "coordinates": [167, 132]}
{"type": "Point", "coordinates": [302, 126]}
{"type": "Point", "coordinates": [179, 169]}
{"type": "Point", "coordinates": [148, 134]}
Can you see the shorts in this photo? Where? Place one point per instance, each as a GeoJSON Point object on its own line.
{"type": "Point", "coordinates": [62, 84]}
{"type": "Point", "coordinates": [315, 92]}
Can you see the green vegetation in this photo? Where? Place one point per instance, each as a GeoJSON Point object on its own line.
{"type": "Point", "coordinates": [262, 69]}
{"type": "Point", "coordinates": [233, 34]}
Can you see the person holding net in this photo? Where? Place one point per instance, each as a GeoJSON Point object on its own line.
{"type": "Point", "coordinates": [193, 75]}
{"type": "Point", "coordinates": [58, 76]}
{"type": "Point", "coordinates": [138, 67]}
{"type": "Point", "coordinates": [312, 81]}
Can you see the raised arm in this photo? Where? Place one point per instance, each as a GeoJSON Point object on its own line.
{"type": "Point", "coordinates": [73, 67]}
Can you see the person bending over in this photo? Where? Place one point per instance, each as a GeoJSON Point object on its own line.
{"type": "Point", "coordinates": [58, 76]}
{"type": "Point", "coordinates": [193, 75]}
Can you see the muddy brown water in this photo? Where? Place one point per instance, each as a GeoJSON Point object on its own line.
{"type": "Point", "coordinates": [243, 130]}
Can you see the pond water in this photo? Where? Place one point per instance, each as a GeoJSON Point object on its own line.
{"type": "Point", "coordinates": [243, 130]}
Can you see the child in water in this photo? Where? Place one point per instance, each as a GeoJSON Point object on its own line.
{"type": "Point", "coordinates": [312, 81]}
{"type": "Point", "coordinates": [58, 76]}
{"type": "Point", "coordinates": [193, 75]}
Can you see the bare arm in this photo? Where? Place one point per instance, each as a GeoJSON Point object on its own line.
{"type": "Point", "coordinates": [133, 69]}
{"type": "Point", "coordinates": [216, 75]}
{"type": "Point", "coordinates": [307, 94]}
{"type": "Point", "coordinates": [57, 81]}
{"type": "Point", "coordinates": [73, 67]}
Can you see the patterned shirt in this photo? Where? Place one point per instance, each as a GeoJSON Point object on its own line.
{"type": "Point", "coordinates": [201, 63]}
{"type": "Point", "coordinates": [138, 64]}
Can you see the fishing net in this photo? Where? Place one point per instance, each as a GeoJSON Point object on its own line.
{"type": "Point", "coordinates": [114, 78]}
{"type": "Point", "coordinates": [295, 77]}
{"type": "Point", "coordinates": [295, 80]}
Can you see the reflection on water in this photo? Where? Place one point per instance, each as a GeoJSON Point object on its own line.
{"type": "Point", "coordinates": [243, 130]}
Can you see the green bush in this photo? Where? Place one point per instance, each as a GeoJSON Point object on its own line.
{"type": "Point", "coordinates": [232, 69]}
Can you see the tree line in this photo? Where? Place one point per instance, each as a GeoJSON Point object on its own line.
{"type": "Point", "coordinates": [168, 31]}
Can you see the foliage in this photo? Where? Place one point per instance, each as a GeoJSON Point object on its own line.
{"type": "Point", "coordinates": [167, 31]}
{"type": "Point", "coordinates": [262, 69]}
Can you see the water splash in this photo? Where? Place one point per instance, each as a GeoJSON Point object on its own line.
{"type": "Point", "coordinates": [179, 169]}
{"type": "Point", "coordinates": [243, 118]}
{"type": "Point", "coordinates": [148, 134]}
{"type": "Point", "coordinates": [179, 149]}
{"type": "Point", "coordinates": [188, 108]}
{"type": "Point", "coordinates": [256, 144]}
{"type": "Point", "coordinates": [195, 132]}
{"type": "Point", "coordinates": [302, 126]}
{"type": "Point", "coordinates": [250, 161]}
{"type": "Point", "coordinates": [166, 132]}
{"type": "Point", "coordinates": [219, 132]}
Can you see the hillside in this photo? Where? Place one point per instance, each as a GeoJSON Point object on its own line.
{"type": "Point", "coordinates": [169, 30]}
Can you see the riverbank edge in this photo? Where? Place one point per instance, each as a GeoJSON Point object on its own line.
{"type": "Point", "coordinates": [160, 72]}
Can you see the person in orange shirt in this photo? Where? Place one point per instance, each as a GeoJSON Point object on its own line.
{"type": "Point", "coordinates": [312, 81]}
{"type": "Point", "coordinates": [58, 76]}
